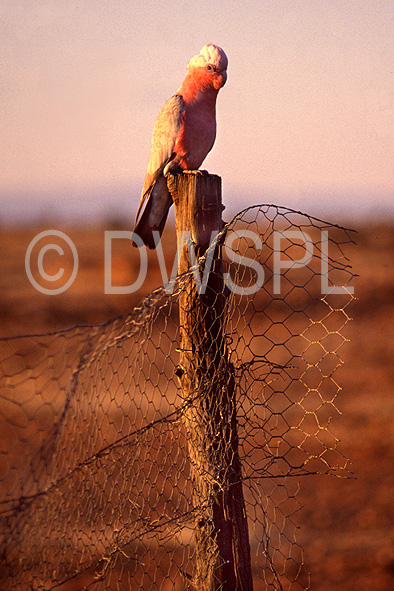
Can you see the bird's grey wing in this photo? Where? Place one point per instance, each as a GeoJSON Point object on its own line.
{"type": "Point", "coordinates": [165, 133]}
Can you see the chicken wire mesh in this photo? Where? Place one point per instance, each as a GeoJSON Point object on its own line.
{"type": "Point", "coordinates": [95, 473]}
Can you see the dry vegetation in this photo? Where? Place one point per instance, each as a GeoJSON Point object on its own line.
{"type": "Point", "coordinates": [347, 524]}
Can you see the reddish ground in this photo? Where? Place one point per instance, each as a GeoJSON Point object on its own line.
{"type": "Point", "coordinates": [347, 524]}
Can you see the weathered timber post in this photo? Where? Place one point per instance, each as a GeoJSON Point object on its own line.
{"type": "Point", "coordinates": [207, 381]}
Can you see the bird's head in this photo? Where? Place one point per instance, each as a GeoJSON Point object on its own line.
{"type": "Point", "coordinates": [209, 67]}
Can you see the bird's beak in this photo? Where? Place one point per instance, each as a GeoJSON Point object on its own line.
{"type": "Point", "coordinates": [220, 79]}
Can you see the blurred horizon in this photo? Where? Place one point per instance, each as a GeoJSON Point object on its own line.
{"type": "Point", "coordinates": [305, 121]}
{"type": "Point", "coordinates": [120, 207]}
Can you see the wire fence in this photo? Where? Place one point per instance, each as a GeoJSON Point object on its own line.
{"type": "Point", "coordinates": [95, 475]}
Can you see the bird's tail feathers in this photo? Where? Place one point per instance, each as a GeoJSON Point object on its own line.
{"type": "Point", "coordinates": [145, 230]}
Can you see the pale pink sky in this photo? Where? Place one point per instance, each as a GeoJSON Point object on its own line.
{"type": "Point", "coordinates": [306, 119]}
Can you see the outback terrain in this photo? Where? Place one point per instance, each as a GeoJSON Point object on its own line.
{"type": "Point", "coordinates": [346, 524]}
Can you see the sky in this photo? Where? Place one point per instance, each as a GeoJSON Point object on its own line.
{"type": "Point", "coordinates": [306, 119]}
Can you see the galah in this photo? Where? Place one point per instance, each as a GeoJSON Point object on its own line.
{"type": "Point", "coordinates": [183, 134]}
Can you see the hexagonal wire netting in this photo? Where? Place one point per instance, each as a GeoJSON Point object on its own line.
{"type": "Point", "coordinates": [95, 475]}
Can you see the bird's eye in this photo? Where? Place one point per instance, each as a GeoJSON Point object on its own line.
{"type": "Point", "coordinates": [210, 68]}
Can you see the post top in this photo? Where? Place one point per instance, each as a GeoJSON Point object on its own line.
{"type": "Point", "coordinates": [193, 173]}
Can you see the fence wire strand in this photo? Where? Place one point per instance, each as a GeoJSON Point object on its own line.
{"type": "Point", "coordinates": [95, 486]}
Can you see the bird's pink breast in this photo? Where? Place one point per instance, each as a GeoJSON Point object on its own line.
{"type": "Point", "coordinates": [197, 134]}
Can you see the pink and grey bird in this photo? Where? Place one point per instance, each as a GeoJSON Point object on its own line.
{"type": "Point", "coordinates": [183, 134]}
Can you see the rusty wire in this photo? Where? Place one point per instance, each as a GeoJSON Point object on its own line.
{"type": "Point", "coordinates": [95, 489]}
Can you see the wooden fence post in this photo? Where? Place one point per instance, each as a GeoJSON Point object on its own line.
{"type": "Point", "coordinates": [207, 381]}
